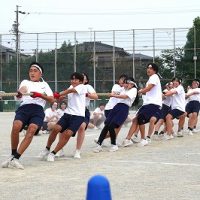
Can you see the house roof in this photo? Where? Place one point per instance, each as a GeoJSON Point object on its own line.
{"type": "Point", "coordinates": [100, 48]}
{"type": "Point", "coordinates": [4, 49]}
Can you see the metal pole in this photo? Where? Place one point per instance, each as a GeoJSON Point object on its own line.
{"type": "Point", "coordinates": [36, 52]}
{"type": "Point", "coordinates": [56, 58]}
{"type": "Point", "coordinates": [195, 54]}
{"type": "Point", "coordinates": [17, 44]}
{"type": "Point", "coordinates": [134, 54]}
{"type": "Point", "coordinates": [74, 51]}
{"type": "Point", "coordinates": [154, 45]}
{"type": "Point", "coordinates": [114, 57]}
{"type": "Point", "coordinates": [1, 62]}
{"type": "Point", "coordinates": [174, 59]}
{"type": "Point", "coordinates": [94, 60]}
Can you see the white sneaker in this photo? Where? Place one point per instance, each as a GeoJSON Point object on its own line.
{"type": "Point", "coordinates": [51, 157]}
{"type": "Point", "coordinates": [97, 149]}
{"type": "Point", "coordinates": [43, 154]}
{"type": "Point", "coordinates": [61, 153]}
{"type": "Point", "coordinates": [195, 130]}
{"type": "Point", "coordinates": [113, 148]}
{"type": "Point", "coordinates": [180, 133]}
{"type": "Point", "coordinates": [127, 143]}
{"type": "Point", "coordinates": [189, 132]}
{"type": "Point", "coordinates": [15, 163]}
{"type": "Point", "coordinates": [5, 163]}
{"type": "Point", "coordinates": [148, 140]}
{"type": "Point", "coordinates": [77, 154]}
{"type": "Point", "coordinates": [168, 137]}
{"type": "Point", "coordinates": [142, 143]}
{"type": "Point", "coordinates": [135, 139]}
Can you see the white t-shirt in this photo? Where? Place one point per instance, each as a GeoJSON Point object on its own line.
{"type": "Point", "coordinates": [49, 113]}
{"type": "Point", "coordinates": [76, 101]}
{"type": "Point", "coordinates": [60, 112]}
{"type": "Point", "coordinates": [178, 99]}
{"type": "Point", "coordinates": [154, 96]}
{"type": "Point", "coordinates": [132, 93]}
{"type": "Point", "coordinates": [113, 101]}
{"type": "Point", "coordinates": [90, 90]}
{"type": "Point", "coordinates": [194, 97]}
{"type": "Point", "coordinates": [41, 87]}
{"type": "Point", "coordinates": [167, 100]}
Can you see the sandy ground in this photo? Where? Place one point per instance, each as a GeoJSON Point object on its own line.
{"type": "Point", "coordinates": [163, 170]}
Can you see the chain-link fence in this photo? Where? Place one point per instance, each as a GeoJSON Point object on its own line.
{"type": "Point", "coordinates": [103, 55]}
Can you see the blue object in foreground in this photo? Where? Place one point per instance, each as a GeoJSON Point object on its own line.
{"type": "Point", "coordinates": [98, 188]}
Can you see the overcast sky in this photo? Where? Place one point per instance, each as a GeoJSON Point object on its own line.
{"type": "Point", "coordinates": [75, 15]}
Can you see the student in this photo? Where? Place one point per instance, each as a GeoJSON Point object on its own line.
{"type": "Point", "coordinates": [118, 114]}
{"type": "Point", "coordinates": [98, 116]}
{"type": "Point", "coordinates": [72, 119]}
{"type": "Point", "coordinates": [91, 94]}
{"type": "Point", "coordinates": [166, 107]}
{"type": "Point", "coordinates": [177, 109]}
{"type": "Point", "coordinates": [51, 118]}
{"type": "Point", "coordinates": [30, 113]}
{"type": "Point", "coordinates": [193, 106]}
{"type": "Point", "coordinates": [151, 108]}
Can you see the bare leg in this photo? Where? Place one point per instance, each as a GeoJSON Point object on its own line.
{"type": "Point", "coordinates": [80, 136]}
{"type": "Point", "coordinates": [57, 128]}
{"type": "Point", "coordinates": [17, 126]}
{"type": "Point", "coordinates": [142, 131]}
{"type": "Point", "coordinates": [133, 128]}
{"type": "Point", "coordinates": [151, 126]}
{"type": "Point", "coordinates": [32, 128]}
{"type": "Point", "coordinates": [169, 124]}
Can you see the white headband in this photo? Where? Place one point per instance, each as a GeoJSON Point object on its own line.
{"type": "Point", "coordinates": [38, 67]}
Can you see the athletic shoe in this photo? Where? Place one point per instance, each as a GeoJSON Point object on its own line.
{"type": "Point", "coordinates": [148, 140]}
{"type": "Point", "coordinates": [15, 163]}
{"type": "Point", "coordinates": [5, 163]}
{"type": "Point", "coordinates": [127, 143]}
{"type": "Point", "coordinates": [51, 157]}
{"type": "Point", "coordinates": [113, 148]}
{"type": "Point", "coordinates": [77, 154]}
{"type": "Point", "coordinates": [189, 132]}
{"type": "Point", "coordinates": [180, 133]}
{"type": "Point", "coordinates": [97, 149]}
{"type": "Point", "coordinates": [168, 137]}
{"type": "Point", "coordinates": [135, 139]}
{"type": "Point", "coordinates": [195, 130]}
{"type": "Point", "coordinates": [43, 154]}
{"type": "Point", "coordinates": [142, 143]}
{"type": "Point", "coordinates": [60, 153]}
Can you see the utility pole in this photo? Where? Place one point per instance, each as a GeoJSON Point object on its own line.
{"type": "Point", "coordinates": [16, 32]}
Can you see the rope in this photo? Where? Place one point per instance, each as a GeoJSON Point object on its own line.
{"type": "Point", "coordinates": [12, 94]}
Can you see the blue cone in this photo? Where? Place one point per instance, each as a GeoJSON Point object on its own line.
{"type": "Point", "coordinates": [98, 188]}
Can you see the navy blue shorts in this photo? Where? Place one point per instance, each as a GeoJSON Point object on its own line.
{"type": "Point", "coordinates": [175, 113]}
{"type": "Point", "coordinates": [148, 111]}
{"type": "Point", "coordinates": [117, 115]}
{"type": "Point", "coordinates": [106, 112]}
{"type": "Point", "coordinates": [192, 106]}
{"type": "Point", "coordinates": [70, 122]}
{"type": "Point", "coordinates": [30, 114]}
{"type": "Point", "coordinates": [87, 117]}
{"type": "Point", "coordinates": [164, 111]}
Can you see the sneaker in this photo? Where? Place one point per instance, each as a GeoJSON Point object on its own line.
{"type": "Point", "coordinates": [135, 139]}
{"type": "Point", "coordinates": [168, 137]}
{"type": "Point", "coordinates": [142, 143]}
{"type": "Point", "coordinates": [97, 149]}
{"type": "Point", "coordinates": [127, 143]}
{"type": "Point", "coordinates": [43, 154]}
{"type": "Point", "coordinates": [113, 148]}
{"type": "Point", "coordinates": [51, 157]}
{"type": "Point", "coordinates": [148, 140]}
{"type": "Point", "coordinates": [5, 163]}
{"type": "Point", "coordinates": [15, 163]}
{"type": "Point", "coordinates": [189, 132]}
{"type": "Point", "coordinates": [180, 134]}
{"type": "Point", "coordinates": [77, 154]}
{"type": "Point", "coordinates": [195, 130]}
{"type": "Point", "coordinates": [60, 153]}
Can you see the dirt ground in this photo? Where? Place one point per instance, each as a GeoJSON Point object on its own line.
{"type": "Point", "coordinates": [163, 170]}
